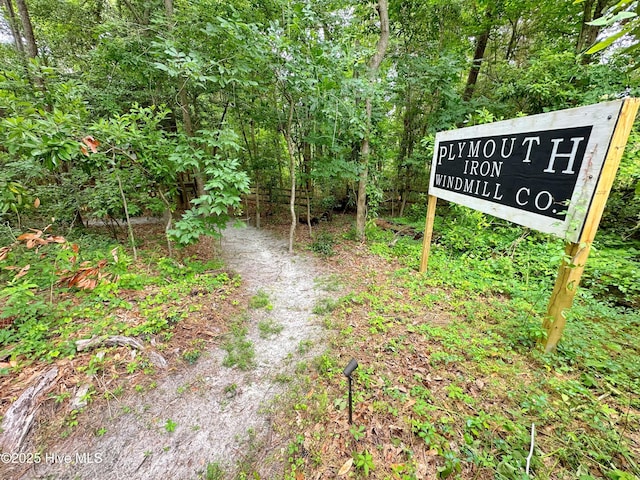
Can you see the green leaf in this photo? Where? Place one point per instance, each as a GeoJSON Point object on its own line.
{"type": "Point", "coordinates": [607, 41]}
{"type": "Point", "coordinates": [608, 20]}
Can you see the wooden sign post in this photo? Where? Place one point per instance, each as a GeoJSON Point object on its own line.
{"type": "Point", "coordinates": [552, 172]}
{"type": "Point", "coordinates": [570, 273]}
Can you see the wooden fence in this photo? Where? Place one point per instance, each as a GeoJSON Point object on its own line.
{"type": "Point", "coordinates": [262, 202]}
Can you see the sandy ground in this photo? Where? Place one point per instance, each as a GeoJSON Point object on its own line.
{"type": "Point", "coordinates": [216, 410]}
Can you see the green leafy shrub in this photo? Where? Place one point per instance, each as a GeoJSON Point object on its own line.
{"type": "Point", "coordinates": [614, 274]}
{"type": "Point", "coordinates": [323, 244]}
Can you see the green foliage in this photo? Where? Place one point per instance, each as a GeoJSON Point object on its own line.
{"type": "Point", "coordinates": [260, 300]}
{"type": "Point", "coordinates": [269, 328]}
{"type": "Point", "coordinates": [323, 244]}
{"type": "Point", "coordinates": [240, 350]}
{"type": "Point", "coordinates": [13, 197]}
{"type": "Point", "coordinates": [191, 355]}
{"type": "Point", "coordinates": [614, 273]}
{"type": "Point", "coordinates": [41, 317]}
{"type": "Point", "coordinates": [170, 426]}
{"type": "Point", "coordinates": [364, 461]}
{"type": "Point", "coordinates": [223, 189]}
{"type": "Point", "coordinates": [214, 472]}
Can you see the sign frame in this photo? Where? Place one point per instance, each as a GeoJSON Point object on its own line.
{"type": "Point", "coordinates": [577, 229]}
{"type": "Point", "coordinates": [533, 160]}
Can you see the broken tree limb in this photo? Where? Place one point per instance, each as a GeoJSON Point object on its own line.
{"type": "Point", "coordinates": [405, 230]}
{"type": "Point", "coordinates": [157, 359]}
{"type": "Point", "coordinates": [19, 417]}
{"type": "Point", "coordinates": [121, 341]}
{"type": "Point", "coordinates": [113, 341]}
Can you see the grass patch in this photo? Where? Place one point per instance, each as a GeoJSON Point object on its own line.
{"type": "Point", "coordinates": [260, 300]}
{"type": "Point", "coordinates": [269, 328]}
{"type": "Point", "coordinates": [323, 244]}
{"type": "Point", "coordinates": [325, 306]}
{"type": "Point", "coordinates": [240, 351]}
{"type": "Point", "coordinates": [213, 472]}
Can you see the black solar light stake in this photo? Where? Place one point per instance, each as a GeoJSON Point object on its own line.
{"type": "Point", "coordinates": [353, 364]}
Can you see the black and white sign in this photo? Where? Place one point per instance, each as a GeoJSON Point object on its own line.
{"type": "Point", "coordinates": [539, 171]}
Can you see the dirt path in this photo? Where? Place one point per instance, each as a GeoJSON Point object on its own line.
{"type": "Point", "coordinates": [214, 409]}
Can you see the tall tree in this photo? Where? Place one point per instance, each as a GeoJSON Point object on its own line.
{"type": "Point", "coordinates": [184, 104]}
{"type": "Point", "coordinates": [27, 29]}
{"type": "Point", "coordinates": [592, 9]}
{"type": "Point", "coordinates": [482, 39]}
{"type": "Point", "coordinates": [13, 25]}
{"type": "Point", "coordinates": [365, 149]}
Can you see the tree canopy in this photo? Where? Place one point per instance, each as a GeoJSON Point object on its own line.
{"type": "Point", "coordinates": [187, 104]}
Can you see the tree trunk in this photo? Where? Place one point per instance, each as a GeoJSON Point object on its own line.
{"type": "Point", "coordinates": [587, 16]}
{"type": "Point", "coordinates": [20, 416]}
{"type": "Point", "coordinates": [589, 33]}
{"type": "Point", "coordinates": [472, 79]}
{"type": "Point", "coordinates": [27, 29]}
{"type": "Point", "coordinates": [125, 205]}
{"type": "Point", "coordinates": [31, 46]}
{"type": "Point", "coordinates": [13, 25]}
{"type": "Point", "coordinates": [184, 104]}
{"type": "Point", "coordinates": [512, 41]}
{"type": "Point", "coordinates": [361, 205]}
{"type": "Point", "coordinates": [187, 121]}
{"type": "Point", "coordinates": [374, 65]}
{"type": "Point", "coordinates": [286, 131]}
{"type": "Point", "coordinates": [168, 8]}
{"type": "Point", "coordinates": [167, 216]}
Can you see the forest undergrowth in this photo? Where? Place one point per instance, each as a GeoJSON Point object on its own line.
{"type": "Point", "coordinates": [451, 380]}
{"type": "Point", "coordinates": [57, 291]}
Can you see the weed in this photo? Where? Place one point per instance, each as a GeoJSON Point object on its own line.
{"type": "Point", "coordinates": [240, 351]}
{"type": "Point", "coordinates": [231, 390]}
{"type": "Point", "coordinates": [269, 328]}
{"type": "Point", "coordinates": [170, 425]}
{"type": "Point", "coordinates": [326, 365]}
{"type": "Point", "coordinates": [325, 306]}
{"type": "Point", "coordinates": [181, 389]}
{"type": "Point", "coordinates": [304, 346]}
{"type": "Point", "coordinates": [60, 397]}
{"type": "Point", "coordinates": [282, 378]}
{"type": "Point", "coordinates": [301, 367]}
{"type": "Point", "coordinates": [364, 462]}
{"type": "Point", "coordinates": [214, 472]}
{"type": "Point", "coordinates": [192, 354]}
{"type": "Point", "coordinates": [260, 300]}
{"type": "Point", "coordinates": [329, 283]}
{"type": "Point", "coordinates": [358, 432]}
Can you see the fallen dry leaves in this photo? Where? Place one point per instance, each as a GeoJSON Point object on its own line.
{"type": "Point", "coordinates": [86, 277]}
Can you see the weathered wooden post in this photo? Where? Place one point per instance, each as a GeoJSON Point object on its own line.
{"type": "Point", "coordinates": [570, 272]}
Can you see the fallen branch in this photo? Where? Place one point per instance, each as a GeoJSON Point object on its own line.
{"type": "Point", "coordinates": [19, 417]}
{"type": "Point", "coordinates": [405, 230]}
{"type": "Point", "coordinates": [113, 341]}
{"type": "Point", "coordinates": [121, 341]}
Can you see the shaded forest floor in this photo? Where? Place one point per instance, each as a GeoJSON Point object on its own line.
{"type": "Point", "coordinates": [449, 381]}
